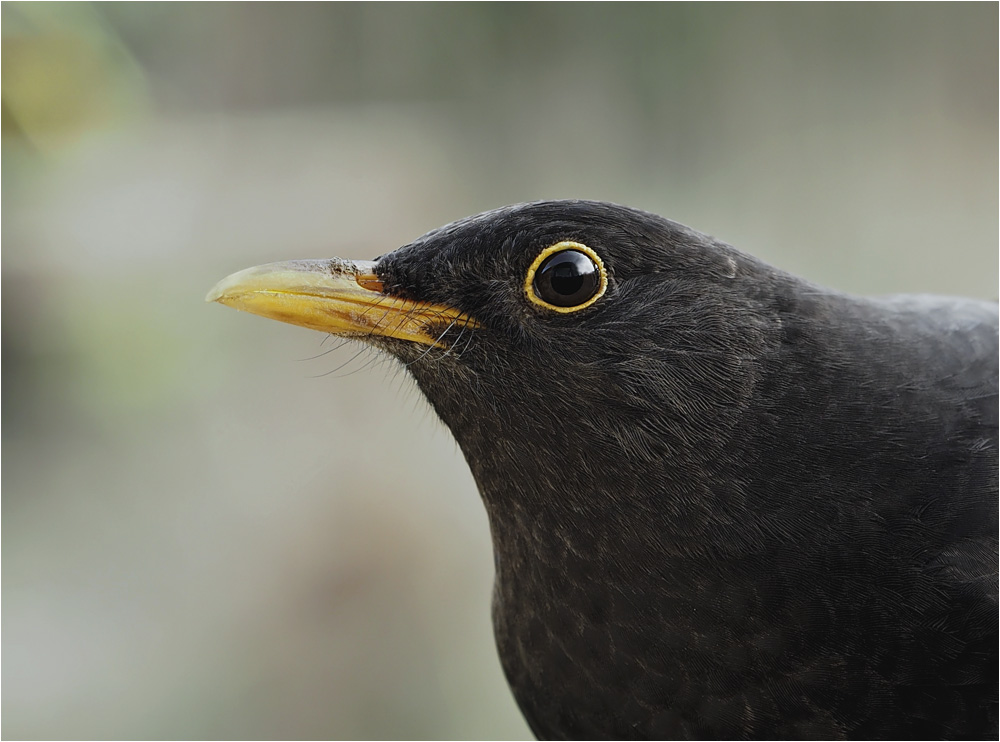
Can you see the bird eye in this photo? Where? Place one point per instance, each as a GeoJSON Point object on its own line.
{"type": "Point", "coordinates": [566, 277]}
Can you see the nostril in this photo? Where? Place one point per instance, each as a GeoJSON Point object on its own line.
{"type": "Point", "coordinates": [369, 281]}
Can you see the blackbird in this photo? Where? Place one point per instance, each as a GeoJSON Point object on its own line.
{"type": "Point", "coordinates": [725, 503]}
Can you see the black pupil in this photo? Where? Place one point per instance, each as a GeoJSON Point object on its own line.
{"type": "Point", "coordinates": [567, 279]}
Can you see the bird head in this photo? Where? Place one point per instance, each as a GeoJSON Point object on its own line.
{"type": "Point", "coordinates": [569, 345]}
{"type": "Point", "coordinates": [705, 479]}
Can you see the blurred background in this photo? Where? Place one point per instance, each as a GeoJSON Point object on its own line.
{"type": "Point", "coordinates": [213, 530]}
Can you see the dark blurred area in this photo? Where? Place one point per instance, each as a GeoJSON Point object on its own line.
{"type": "Point", "coordinates": [220, 527]}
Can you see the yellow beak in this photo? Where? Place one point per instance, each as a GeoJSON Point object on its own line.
{"type": "Point", "coordinates": [341, 297]}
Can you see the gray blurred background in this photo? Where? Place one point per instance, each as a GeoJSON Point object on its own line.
{"type": "Point", "coordinates": [205, 535]}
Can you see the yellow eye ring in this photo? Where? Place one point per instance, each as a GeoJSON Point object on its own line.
{"type": "Point", "coordinates": [568, 283]}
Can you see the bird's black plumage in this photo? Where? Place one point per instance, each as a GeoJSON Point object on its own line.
{"type": "Point", "coordinates": [724, 502]}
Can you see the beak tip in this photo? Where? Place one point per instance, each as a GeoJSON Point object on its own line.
{"type": "Point", "coordinates": [225, 287]}
{"type": "Point", "coordinates": [214, 294]}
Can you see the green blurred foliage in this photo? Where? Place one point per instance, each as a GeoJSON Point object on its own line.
{"type": "Point", "coordinates": [65, 72]}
